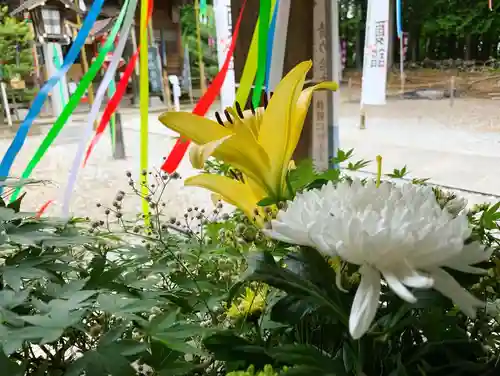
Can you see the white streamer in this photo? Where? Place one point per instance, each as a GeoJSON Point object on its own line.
{"type": "Point", "coordinates": [96, 106]}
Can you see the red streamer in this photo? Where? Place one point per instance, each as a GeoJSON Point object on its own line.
{"type": "Point", "coordinates": [115, 100]}
{"type": "Point", "coordinates": [181, 146]}
{"type": "Point", "coordinates": [42, 210]}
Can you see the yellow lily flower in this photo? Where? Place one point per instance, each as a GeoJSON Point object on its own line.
{"type": "Point", "coordinates": [259, 145]}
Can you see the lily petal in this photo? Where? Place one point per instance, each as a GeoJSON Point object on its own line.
{"type": "Point", "coordinates": [365, 304]}
{"type": "Point", "coordinates": [277, 120]}
{"type": "Point", "coordinates": [196, 128]}
{"type": "Point", "coordinates": [232, 191]}
{"type": "Point", "coordinates": [243, 153]}
{"type": "Point", "coordinates": [198, 154]}
{"type": "Point", "coordinates": [300, 112]}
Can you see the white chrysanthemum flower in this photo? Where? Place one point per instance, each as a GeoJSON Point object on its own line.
{"type": "Point", "coordinates": [398, 232]}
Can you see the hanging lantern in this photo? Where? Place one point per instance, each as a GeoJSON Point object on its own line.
{"type": "Point", "coordinates": [48, 18]}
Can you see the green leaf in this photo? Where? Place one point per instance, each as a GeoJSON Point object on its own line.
{"type": "Point", "coordinates": [13, 276]}
{"type": "Point", "coordinates": [267, 201]}
{"type": "Point", "coordinates": [227, 346]}
{"type": "Point", "coordinates": [161, 356]}
{"type": "Point", "coordinates": [312, 280]}
{"type": "Point", "coordinates": [10, 367]}
{"type": "Point", "coordinates": [178, 368]}
{"type": "Point", "coordinates": [10, 299]}
{"type": "Point", "coordinates": [7, 214]}
{"type": "Point", "coordinates": [342, 156]}
{"type": "Point", "coordinates": [103, 362]}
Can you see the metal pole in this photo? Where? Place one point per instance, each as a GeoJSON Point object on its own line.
{"type": "Point", "coordinates": [402, 64]}
{"type": "Point", "coordinates": [200, 52]}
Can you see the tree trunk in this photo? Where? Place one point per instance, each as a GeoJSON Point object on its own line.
{"type": "Point", "coordinates": [360, 41]}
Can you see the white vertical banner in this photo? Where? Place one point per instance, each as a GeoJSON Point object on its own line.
{"type": "Point", "coordinates": [321, 103]}
{"type": "Point", "coordinates": [224, 28]}
{"type": "Point", "coordinates": [375, 53]}
{"type": "Point", "coordinates": [279, 44]}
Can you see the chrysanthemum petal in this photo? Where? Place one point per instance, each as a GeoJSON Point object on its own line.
{"type": "Point", "coordinates": [397, 286]}
{"type": "Point", "coordinates": [449, 287]}
{"type": "Point", "coordinates": [365, 304]}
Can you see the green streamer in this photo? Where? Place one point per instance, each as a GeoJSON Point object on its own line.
{"type": "Point", "coordinates": [264, 18]}
{"type": "Point", "coordinates": [74, 99]}
{"type": "Point", "coordinates": [58, 65]}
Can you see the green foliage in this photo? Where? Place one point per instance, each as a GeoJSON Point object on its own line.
{"type": "Point", "coordinates": [115, 296]}
{"type": "Point", "coordinates": [439, 29]}
{"type": "Point", "coordinates": [188, 22]}
{"type": "Point", "coordinates": [16, 58]}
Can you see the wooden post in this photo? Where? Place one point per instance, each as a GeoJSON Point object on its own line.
{"type": "Point", "coordinates": [349, 89]}
{"type": "Point", "coordinates": [452, 91]}
{"type": "Point", "coordinates": [203, 85]}
{"type": "Point", "coordinates": [119, 150]}
{"type": "Point", "coordinates": [362, 119]}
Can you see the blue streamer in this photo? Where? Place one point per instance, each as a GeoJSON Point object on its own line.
{"type": "Point", "coordinates": [399, 19]}
{"type": "Point", "coordinates": [36, 107]}
{"type": "Point", "coordinates": [270, 44]}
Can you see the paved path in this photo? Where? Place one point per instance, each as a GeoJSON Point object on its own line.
{"type": "Point", "coordinates": [465, 159]}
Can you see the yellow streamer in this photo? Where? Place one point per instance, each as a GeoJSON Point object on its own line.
{"type": "Point", "coordinates": [144, 106]}
{"type": "Point", "coordinates": [250, 69]}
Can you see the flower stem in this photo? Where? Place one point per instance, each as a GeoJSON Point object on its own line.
{"type": "Point", "coordinates": [379, 169]}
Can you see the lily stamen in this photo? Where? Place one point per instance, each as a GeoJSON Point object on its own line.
{"type": "Point", "coordinates": [228, 117]}
{"type": "Point", "coordinates": [239, 110]}
{"type": "Point", "coordinates": [219, 119]}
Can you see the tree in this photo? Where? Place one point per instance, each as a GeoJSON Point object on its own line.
{"type": "Point", "coordinates": [188, 22]}
{"type": "Point", "coordinates": [16, 59]}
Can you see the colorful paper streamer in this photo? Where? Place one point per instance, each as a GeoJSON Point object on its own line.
{"type": "Point", "coordinates": [74, 100]}
{"type": "Point", "coordinates": [264, 18]}
{"type": "Point", "coordinates": [181, 146]}
{"type": "Point", "coordinates": [250, 68]}
{"type": "Point", "coordinates": [112, 104]}
{"type": "Point", "coordinates": [144, 106]}
{"type": "Point", "coordinates": [42, 210]}
{"type": "Point", "coordinates": [270, 44]}
{"type": "Point", "coordinates": [58, 65]}
{"type": "Point", "coordinates": [101, 92]}
{"type": "Point", "coordinates": [36, 107]}
{"type": "Point", "coordinates": [399, 22]}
